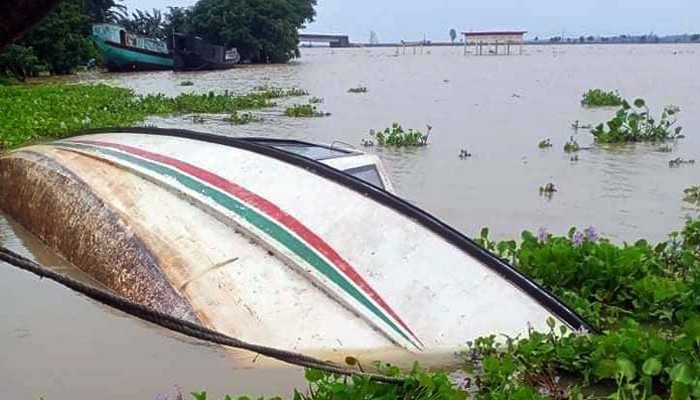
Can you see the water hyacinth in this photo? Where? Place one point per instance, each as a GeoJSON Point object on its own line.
{"type": "Point", "coordinates": [591, 234]}
{"type": "Point", "coordinates": [542, 235]}
{"type": "Point", "coordinates": [578, 239]}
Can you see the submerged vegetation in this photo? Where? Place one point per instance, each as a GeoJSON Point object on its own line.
{"type": "Point", "coordinates": [601, 98]}
{"type": "Point", "coordinates": [634, 123]}
{"type": "Point", "coordinates": [31, 113]}
{"type": "Point", "coordinates": [397, 136]}
{"type": "Point", "coordinates": [304, 111]}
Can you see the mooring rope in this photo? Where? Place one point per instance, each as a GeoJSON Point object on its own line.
{"type": "Point", "coordinates": [181, 326]}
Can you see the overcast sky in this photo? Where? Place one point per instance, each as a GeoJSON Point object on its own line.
{"type": "Point", "coordinates": [394, 20]}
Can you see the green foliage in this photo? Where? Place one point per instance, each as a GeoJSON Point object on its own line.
{"type": "Point", "coordinates": [147, 23]}
{"type": "Point", "coordinates": [633, 123]}
{"type": "Point", "coordinates": [419, 384]}
{"type": "Point", "coordinates": [19, 62]}
{"type": "Point", "coordinates": [644, 298]}
{"type": "Point", "coordinates": [545, 144]}
{"type": "Point", "coordinates": [242, 118]}
{"type": "Point", "coordinates": [303, 111]}
{"type": "Point", "coordinates": [31, 113]}
{"type": "Point", "coordinates": [601, 98]}
{"type": "Point", "coordinates": [397, 136]}
{"type": "Point", "coordinates": [359, 89]}
{"type": "Point", "coordinates": [61, 41]}
{"type": "Point", "coordinates": [692, 195]}
{"type": "Point", "coordinates": [186, 83]}
{"type": "Point", "coordinates": [261, 30]}
{"type": "Point", "coordinates": [315, 100]}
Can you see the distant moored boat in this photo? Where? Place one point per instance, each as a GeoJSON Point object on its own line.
{"type": "Point", "coordinates": [124, 51]}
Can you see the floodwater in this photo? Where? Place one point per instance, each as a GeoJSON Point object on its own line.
{"type": "Point", "coordinates": [59, 345]}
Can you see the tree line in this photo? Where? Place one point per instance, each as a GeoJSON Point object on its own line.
{"type": "Point", "coordinates": [263, 31]}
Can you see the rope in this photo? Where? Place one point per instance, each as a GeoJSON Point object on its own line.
{"type": "Point", "coordinates": [181, 326]}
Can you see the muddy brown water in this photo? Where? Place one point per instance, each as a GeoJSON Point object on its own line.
{"type": "Point", "coordinates": [59, 345]}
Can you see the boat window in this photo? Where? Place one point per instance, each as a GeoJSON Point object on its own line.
{"type": "Point", "coordinates": [122, 37]}
{"type": "Point", "coordinates": [308, 150]}
{"type": "Point", "coordinates": [367, 173]}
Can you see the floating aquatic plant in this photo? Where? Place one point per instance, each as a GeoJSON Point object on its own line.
{"type": "Point", "coordinates": [304, 111]}
{"type": "Point", "coordinates": [692, 195]}
{"type": "Point", "coordinates": [574, 158]}
{"type": "Point", "coordinates": [601, 98]}
{"type": "Point", "coordinates": [633, 123]}
{"type": "Point", "coordinates": [272, 92]}
{"type": "Point", "coordinates": [578, 125]}
{"type": "Point", "coordinates": [186, 83]}
{"type": "Point", "coordinates": [242, 118]}
{"type": "Point", "coordinates": [315, 100]}
{"type": "Point", "coordinates": [463, 153]}
{"type": "Point", "coordinates": [366, 142]}
{"type": "Point", "coordinates": [677, 162]}
{"type": "Point", "coordinates": [571, 146]}
{"type": "Point", "coordinates": [359, 89]}
{"type": "Point", "coordinates": [197, 119]}
{"type": "Point", "coordinates": [548, 189]}
{"type": "Point", "coordinates": [545, 144]}
{"type": "Point", "coordinates": [665, 148]}
{"type": "Point", "coordinates": [396, 135]}
{"type": "Point", "coordinates": [33, 112]}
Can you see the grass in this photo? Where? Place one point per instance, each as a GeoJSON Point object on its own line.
{"type": "Point", "coordinates": [601, 98]}
{"type": "Point", "coordinates": [37, 112]}
{"type": "Point", "coordinates": [303, 111]}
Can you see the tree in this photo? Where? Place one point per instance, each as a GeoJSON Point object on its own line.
{"type": "Point", "coordinates": [453, 35]}
{"type": "Point", "coordinates": [18, 61]}
{"type": "Point", "coordinates": [581, 39]}
{"type": "Point", "coordinates": [261, 30]}
{"type": "Point", "coordinates": [146, 23]}
{"type": "Point", "coordinates": [105, 10]}
{"type": "Point", "coordinates": [590, 38]}
{"type": "Point", "coordinates": [695, 37]}
{"type": "Point", "coordinates": [176, 20]}
{"type": "Point", "coordinates": [58, 44]}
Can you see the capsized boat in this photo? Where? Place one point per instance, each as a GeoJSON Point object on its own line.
{"type": "Point", "coordinates": [282, 243]}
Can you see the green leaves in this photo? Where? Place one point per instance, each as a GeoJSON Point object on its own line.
{"type": "Point", "coordinates": [601, 98]}
{"type": "Point", "coordinates": [652, 367]}
{"type": "Point", "coordinates": [637, 126]}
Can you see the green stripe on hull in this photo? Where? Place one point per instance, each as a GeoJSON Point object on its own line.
{"type": "Point", "coordinates": [260, 221]}
{"type": "Point", "coordinates": [125, 58]}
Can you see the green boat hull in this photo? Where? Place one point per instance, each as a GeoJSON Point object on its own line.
{"type": "Point", "coordinates": [122, 59]}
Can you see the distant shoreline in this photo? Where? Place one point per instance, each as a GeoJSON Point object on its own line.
{"type": "Point", "coordinates": [528, 43]}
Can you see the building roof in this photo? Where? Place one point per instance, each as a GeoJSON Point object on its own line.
{"type": "Point", "coordinates": [494, 33]}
